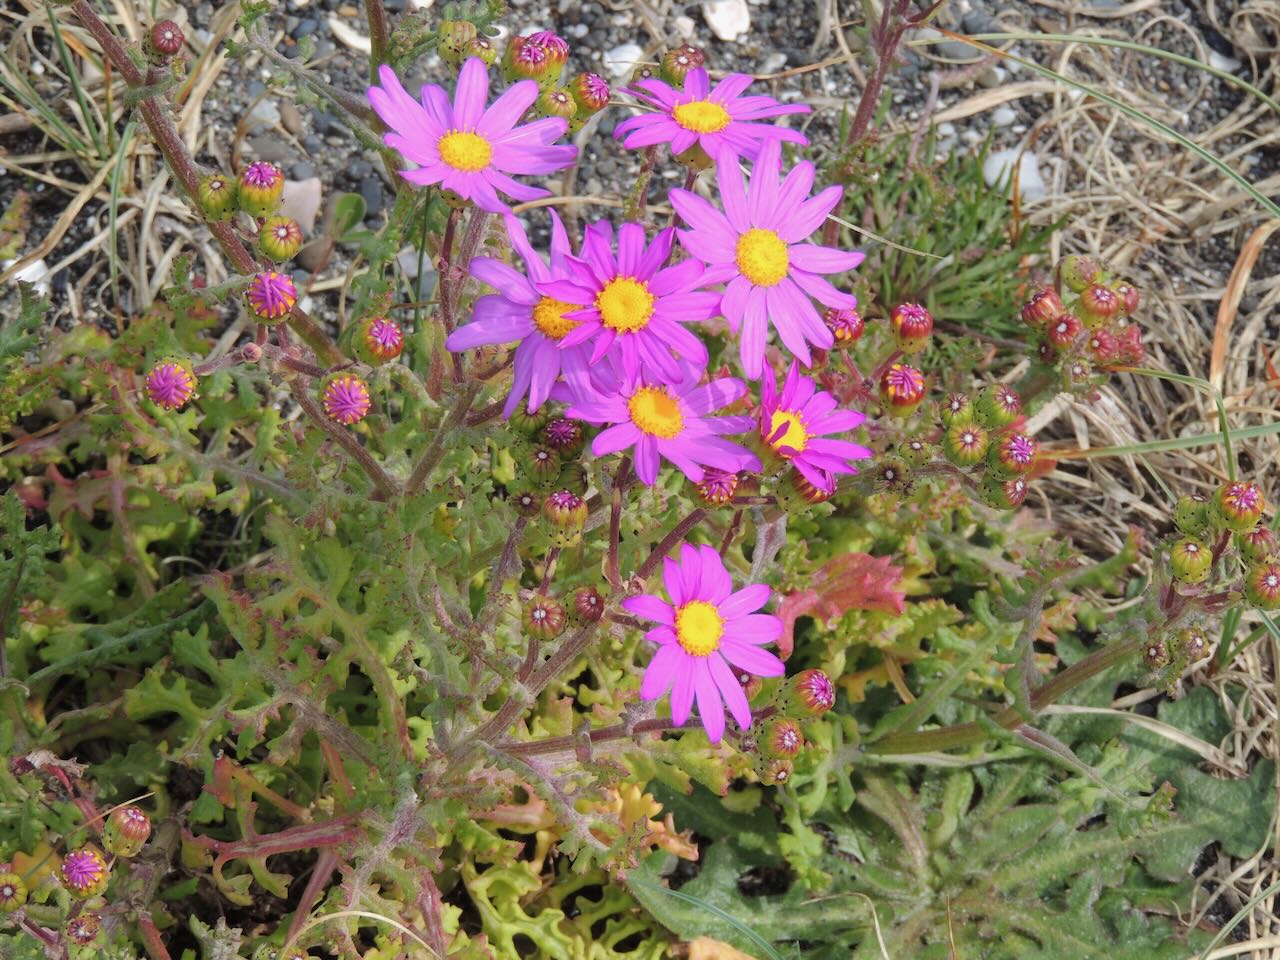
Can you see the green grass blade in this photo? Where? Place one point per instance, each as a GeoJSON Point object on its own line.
{"type": "Point", "coordinates": [1226, 435]}
{"type": "Point", "coordinates": [73, 75]}
{"type": "Point", "coordinates": [125, 142]}
{"type": "Point", "coordinates": [712, 909]}
{"type": "Point", "coordinates": [55, 127]}
{"type": "Point", "coordinates": [1176, 443]}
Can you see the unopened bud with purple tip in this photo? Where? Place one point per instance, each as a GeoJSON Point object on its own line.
{"type": "Point", "coordinates": [902, 389]}
{"type": "Point", "coordinates": [912, 325]}
{"type": "Point", "coordinates": [780, 737]}
{"type": "Point", "coordinates": [810, 693]}
{"type": "Point", "coordinates": [564, 436]}
{"type": "Point", "coordinates": [846, 326]}
{"type": "Point", "coordinates": [1012, 455]}
{"type": "Point", "coordinates": [126, 831]}
{"type": "Point", "coordinates": [261, 187]}
{"type": "Point", "coordinates": [280, 238]}
{"type": "Point", "coordinates": [1239, 504]}
{"type": "Point", "coordinates": [271, 296]}
{"type": "Point", "coordinates": [377, 340]}
{"type": "Point", "coordinates": [345, 398]}
{"type": "Point", "coordinates": [567, 514]}
{"type": "Point", "coordinates": [84, 872]}
{"type": "Point", "coordinates": [171, 383]}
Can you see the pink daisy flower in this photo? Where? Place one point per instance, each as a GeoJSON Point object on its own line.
{"type": "Point", "coordinates": [794, 422]}
{"type": "Point", "coordinates": [718, 120]}
{"type": "Point", "coordinates": [519, 312]}
{"type": "Point", "coordinates": [465, 146]}
{"type": "Point", "coordinates": [631, 302]}
{"type": "Point", "coordinates": [754, 247]}
{"type": "Point", "coordinates": [670, 421]}
{"type": "Point", "coordinates": [704, 634]}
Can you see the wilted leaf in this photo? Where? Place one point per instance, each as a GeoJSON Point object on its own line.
{"type": "Point", "coordinates": [855, 581]}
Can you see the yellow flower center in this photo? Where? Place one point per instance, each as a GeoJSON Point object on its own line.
{"type": "Point", "coordinates": [762, 257]}
{"type": "Point", "coordinates": [796, 437]}
{"type": "Point", "coordinates": [548, 317]}
{"type": "Point", "coordinates": [701, 116]}
{"type": "Point", "coordinates": [656, 412]}
{"type": "Point", "coordinates": [625, 304]}
{"type": "Point", "coordinates": [699, 628]}
{"type": "Point", "coordinates": [467, 152]}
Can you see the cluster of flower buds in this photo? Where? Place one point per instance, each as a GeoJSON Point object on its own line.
{"type": "Point", "coordinates": [258, 193]}
{"type": "Point", "coordinates": [1170, 655]}
{"type": "Point", "coordinates": [774, 742]}
{"type": "Point", "coordinates": [979, 434]}
{"type": "Point", "coordinates": [1226, 524]}
{"type": "Point", "coordinates": [1085, 322]}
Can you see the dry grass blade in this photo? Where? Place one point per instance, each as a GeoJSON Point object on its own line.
{"type": "Point", "coordinates": [1230, 303]}
{"type": "Point", "coordinates": [63, 224]}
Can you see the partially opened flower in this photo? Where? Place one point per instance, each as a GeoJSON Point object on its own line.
{"type": "Point", "coordinates": [630, 303]}
{"type": "Point", "coordinates": [518, 312]}
{"type": "Point", "coordinates": [754, 247]}
{"type": "Point", "coordinates": [658, 421]}
{"type": "Point", "coordinates": [707, 637]}
{"type": "Point", "coordinates": [720, 120]}
{"type": "Point", "coordinates": [465, 146]}
{"type": "Point", "coordinates": [795, 421]}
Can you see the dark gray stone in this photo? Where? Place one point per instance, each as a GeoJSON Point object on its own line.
{"type": "Point", "coordinates": [374, 196]}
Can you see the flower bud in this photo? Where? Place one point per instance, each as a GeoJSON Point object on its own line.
{"type": "Point", "coordinates": [1128, 296]}
{"type": "Point", "coordinates": [563, 436]}
{"type": "Point", "coordinates": [84, 872]}
{"type": "Point", "coordinates": [1013, 455]}
{"type": "Point", "coordinates": [587, 606]}
{"type": "Point", "coordinates": [751, 687]}
{"type": "Point", "coordinates": [544, 619]}
{"type": "Point", "coordinates": [557, 47]}
{"type": "Point", "coordinates": [1258, 544]}
{"type": "Point", "coordinates": [345, 398]}
{"type": "Point", "coordinates": [1079, 373]}
{"type": "Point", "coordinates": [219, 197]}
{"type": "Point", "coordinates": [1062, 331]}
{"type": "Point", "coordinates": [1129, 348]}
{"type": "Point", "coordinates": [965, 444]}
{"type": "Point", "coordinates": [1262, 586]}
{"type": "Point", "coordinates": [482, 49]}
{"type": "Point", "coordinates": [164, 40]}
{"type": "Point", "coordinates": [453, 38]}
{"type": "Point", "coordinates": [527, 59]}
{"type": "Point", "coordinates": [541, 467]}
{"type": "Point", "coordinates": [261, 186]}
{"type": "Point", "coordinates": [956, 408]}
{"type": "Point", "coordinates": [641, 71]}
{"type": "Point", "coordinates": [810, 693]}
{"type": "Point", "coordinates": [997, 406]}
{"type": "Point", "coordinates": [280, 238]}
{"type": "Point", "coordinates": [377, 340]}
{"type": "Point", "coordinates": [892, 474]}
{"type": "Point", "coordinates": [912, 324]}
{"type": "Point", "coordinates": [171, 383]}
{"type": "Point", "coordinates": [1103, 347]}
{"type": "Point", "coordinates": [695, 158]}
{"type": "Point", "coordinates": [1098, 304]}
{"type": "Point", "coordinates": [901, 389]}
{"type": "Point", "coordinates": [590, 92]}
{"type": "Point", "coordinates": [527, 504]}
{"type": "Point", "coordinates": [271, 296]}
{"type": "Point", "coordinates": [13, 892]}
{"type": "Point", "coordinates": [846, 326]}
{"type": "Point", "coordinates": [83, 929]}
{"type": "Point", "coordinates": [800, 488]}
{"type": "Point", "coordinates": [567, 512]}
{"type": "Point", "coordinates": [1156, 654]}
{"type": "Point", "coordinates": [1002, 494]}
{"type": "Point", "coordinates": [1239, 505]}
{"type": "Point", "coordinates": [1191, 644]}
{"type": "Point", "coordinates": [1191, 515]}
{"type": "Point", "coordinates": [555, 103]}
{"type": "Point", "coordinates": [126, 831]}
{"type": "Point", "coordinates": [716, 487]}
{"type": "Point", "coordinates": [522, 421]}
{"type": "Point", "coordinates": [1077, 272]}
{"type": "Point", "coordinates": [679, 63]}
{"type": "Point", "coordinates": [915, 452]}
{"type": "Point", "coordinates": [774, 771]}
{"type": "Point", "coordinates": [780, 737]}
{"type": "Point", "coordinates": [1043, 307]}
{"type": "Point", "coordinates": [1190, 560]}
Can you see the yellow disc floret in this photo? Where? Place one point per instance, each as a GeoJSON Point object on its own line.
{"type": "Point", "coordinates": [656, 412]}
{"type": "Point", "coordinates": [699, 628]}
{"type": "Point", "coordinates": [796, 438]}
{"type": "Point", "coordinates": [467, 152]}
{"type": "Point", "coordinates": [701, 116]}
{"type": "Point", "coordinates": [549, 317]}
{"type": "Point", "coordinates": [762, 257]}
{"type": "Point", "coordinates": [625, 304]}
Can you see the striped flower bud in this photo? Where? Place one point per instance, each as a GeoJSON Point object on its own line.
{"type": "Point", "coordinates": [1239, 504]}
{"type": "Point", "coordinates": [846, 326]}
{"type": "Point", "coordinates": [1156, 654]}
{"type": "Point", "coordinates": [522, 421]}
{"type": "Point", "coordinates": [1192, 644]}
{"type": "Point", "coordinates": [1129, 297]}
{"type": "Point", "coordinates": [799, 486]}
{"type": "Point", "coordinates": [555, 103]}
{"type": "Point", "coordinates": [774, 771]}
{"type": "Point", "coordinates": [84, 872]}
{"type": "Point", "coordinates": [1262, 586]}
{"type": "Point", "coordinates": [219, 197]}
{"type": "Point", "coordinates": [1045, 305]}
{"type": "Point", "coordinates": [1098, 304]}
{"type": "Point", "coordinates": [164, 41]}
{"type": "Point", "coordinates": [544, 619]}
{"type": "Point", "coordinates": [679, 63]}
{"type": "Point", "coordinates": [1103, 347]}
{"type": "Point", "coordinates": [526, 59]}
{"type": "Point", "coordinates": [564, 436]}
{"type": "Point", "coordinates": [280, 238]}
{"type": "Point", "coordinates": [377, 340]}
{"type": "Point", "coordinates": [126, 831]}
{"type": "Point", "coordinates": [1002, 494]}
{"type": "Point", "coordinates": [810, 693]}
{"type": "Point", "coordinates": [716, 487]}
{"type": "Point", "coordinates": [892, 475]}
{"type": "Point", "coordinates": [915, 452]}
{"type": "Point", "coordinates": [453, 38]}
{"type": "Point", "coordinates": [557, 47]}
{"type": "Point", "coordinates": [1012, 455]}
{"type": "Point", "coordinates": [271, 296]}
{"type": "Point", "coordinates": [956, 408]}
{"type": "Point", "coordinates": [13, 892]}
{"type": "Point", "coordinates": [567, 513]}
{"type": "Point", "coordinates": [345, 398]}
{"type": "Point", "coordinates": [1192, 514]}
{"type": "Point", "coordinates": [83, 929]}
{"type": "Point", "coordinates": [965, 444]}
{"type": "Point", "coordinates": [1062, 331]}
{"type": "Point", "coordinates": [261, 186]}
{"type": "Point", "coordinates": [590, 92]}
{"type": "Point", "coordinates": [587, 606]}
{"type": "Point", "coordinates": [1190, 560]}
{"type": "Point", "coordinates": [1129, 347]}
{"type": "Point", "coordinates": [1077, 272]}
{"type": "Point", "coordinates": [541, 467]}
{"type": "Point", "coordinates": [171, 383]}
{"type": "Point", "coordinates": [1258, 544]}
{"type": "Point", "coordinates": [780, 737]}
{"type": "Point", "coordinates": [912, 324]}
{"type": "Point", "coordinates": [902, 389]}
{"type": "Point", "coordinates": [997, 406]}
{"type": "Point", "coordinates": [527, 504]}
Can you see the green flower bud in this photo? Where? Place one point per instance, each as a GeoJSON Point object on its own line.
{"type": "Point", "coordinates": [956, 408]}
{"type": "Point", "coordinates": [1191, 645]}
{"type": "Point", "coordinates": [527, 503]}
{"type": "Point", "coordinates": [219, 197]}
{"type": "Point", "coordinates": [695, 158]}
{"type": "Point", "coordinates": [261, 187]}
{"type": "Point", "coordinates": [83, 930]}
{"type": "Point", "coordinates": [544, 619]}
{"type": "Point", "coordinates": [1191, 515]}
{"type": "Point", "coordinates": [453, 40]}
{"type": "Point", "coordinates": [1262, 585]}
{"type": "Point", "coordinates": [522, 421]}
{"type": "Point", "coordinates": [679, 63]}
{"type": "Point", "coordinates": [542, 467]}
{"type": "Point", "coordinates": [1156, 654]}
{"type": "Point", "coordinates": [126, 831]}
{"type": "Point", "coordinates": [1002, 494]}
{"type": "Point", "coordinates": [480, 48]}
{"type": "Point", "coordinates": [1077, 272]}
{"type": "Point", "coordinates": [1239, 505]}
{"type": "Point", "coordinates": [1190, 560]}
{"type": "Point", "coordinates": [555, 103]}
{"type": "Point", "coordinates": [1012, 455]}
{"type": "Point", "coordinates": [810, 693]}
{"type": "Point", "coordinates": [780, 737]}
{"type": "Point", "coordinates": [892, 474]}
{"type": "Point", "coordinates": [774, 771]}
{"type": "Point", "coordinates": [567, 514]}
{"type": "Point", "coordinates": [13, 892]}
{"type": "Point", "coordinates": [280, 238]}
{"type": "Point", "coordinates": [997, 406]}
{"type": "Point", "coordinates": [965, 444]}
{"type": "Point", "coordinates": [915, 452]}
{"type": "Point", "coordinates": [1258, 544]}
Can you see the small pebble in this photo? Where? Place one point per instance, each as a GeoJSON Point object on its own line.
{"type": "Point", "coordinates": [773, 63]}
{"type": "Point", "coordinates": [1004, 116]}
{"type": "Point", "coordinates": [728, 19]}
{"type": "Point", "coordinates": [996, 168]}
{"type": "Point", "coordinates": [620, 61]}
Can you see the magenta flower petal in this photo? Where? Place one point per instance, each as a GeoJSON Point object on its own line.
{"type": "Point", "coordinates": [794, 424]}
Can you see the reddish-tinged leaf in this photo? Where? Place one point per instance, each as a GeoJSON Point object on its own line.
{"type": "Point", "coordinates": [855, 581]}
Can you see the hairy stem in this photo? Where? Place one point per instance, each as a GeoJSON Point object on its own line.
{"type": "Point", "coordinates": [434, 453]}
{"type": "Point", "coordinates": [382, 480]}
{"type": "Point", "coordinates": [668, 543]}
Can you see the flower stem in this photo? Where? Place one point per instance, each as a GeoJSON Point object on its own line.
{"type": "Point", "coordinates": [615, 520]}
{"type": "Point", "coordinates": [382, 480]}
{"type": "Point", "coordinates": [668, 543]}
{"type": "Point", "coordinates": [434, 453]}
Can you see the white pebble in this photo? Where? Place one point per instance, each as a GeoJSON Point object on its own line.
{"type": "Point", "coordinates": [1229, 64]}
{"type": "Point", "coordinates": [773, 63]}
{"type": "Point", "coordinates": [1003, 116]}
{"type": "Point", "coordinates": [34, 272]}
{"type": "Point", "coordinates": [685, 27]}
{"type": "Point", "coordinates": [996, 168]}
{"type": "Point", "coordinates": [621, 60]}
{"type": "Point", "coordinates": [728, 19]}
